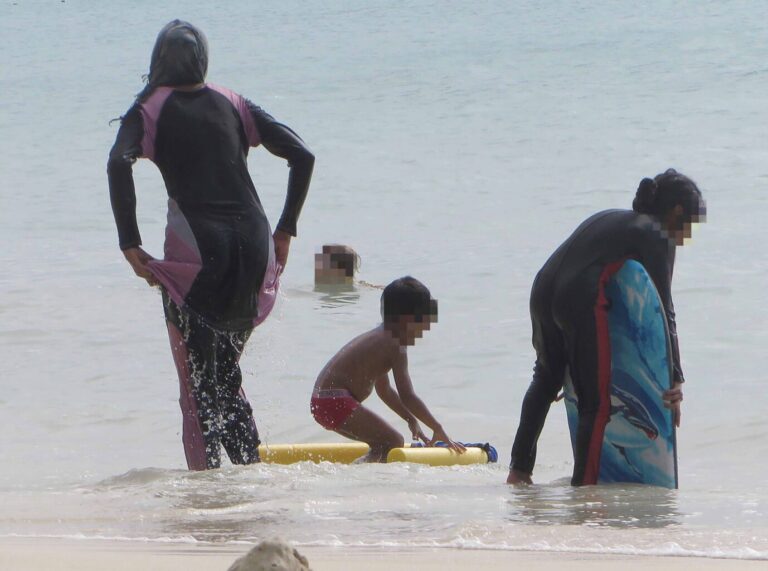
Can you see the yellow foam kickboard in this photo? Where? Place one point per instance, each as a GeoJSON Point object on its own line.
{"type": "Point", "coordinates": [346, 453]}
{"type": "Point", "coordinates": [438, 456]}
{"type": "Point", "coordinates": [342, 452]}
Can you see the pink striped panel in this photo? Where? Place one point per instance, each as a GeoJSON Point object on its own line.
{"type": "Point", "coordinates": [192, 432]}
{"type": "Point", "coordinates": [150, 112]}
{"type": "Point", "coordinates": [251, 133]}
{"type": "Point", "coordinates": [270, 284]}
{"type": "Point", "coordinates": [182, 260]}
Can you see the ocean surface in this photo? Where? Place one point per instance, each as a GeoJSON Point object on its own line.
{"type": "Point", "coordinates": [459, 142]}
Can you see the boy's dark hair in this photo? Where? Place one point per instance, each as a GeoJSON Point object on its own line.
{"type": "Point", "coordinates": [342, 258]}
{"type": "Point", "coordinates": [408, 296]}
{"type": "Point", "coordinates": [660, 194]}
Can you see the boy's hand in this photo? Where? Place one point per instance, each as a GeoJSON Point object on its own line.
{"type": "Point", "coordinates": [672, 399]}
{"type": "Point", "coordinates": [416, 432]}
{"type": "Point", "coordinates": [440, 436]}
{"type": "Point", "coordinates": [138, 259]}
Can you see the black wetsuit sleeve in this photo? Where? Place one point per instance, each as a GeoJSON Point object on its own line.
{"type": "Point", "coordinates": [281, 141]}
{"type": "Point", "coordinates": [122, 192]}
{"type": "Point", "coordinates": [658, 258]}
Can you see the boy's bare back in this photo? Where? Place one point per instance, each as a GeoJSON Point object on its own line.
{"type": "Point", "coordinates": [360, 362]}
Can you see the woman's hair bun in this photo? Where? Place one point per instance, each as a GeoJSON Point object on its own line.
{"type": "Point", "coordinates": [645, 196]}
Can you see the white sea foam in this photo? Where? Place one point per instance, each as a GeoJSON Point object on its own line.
{"type": "Point", "coordinates": [665, 550]}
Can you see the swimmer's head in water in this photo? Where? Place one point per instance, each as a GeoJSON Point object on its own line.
{"type": "Point", "coordinates": [675, 200]}
{"type": "Point", "coordinates": [336, 265]}
{"type": "Point", "coordinates": [180, 57]}
{"type": "Point", "coordinates": [408, 309]}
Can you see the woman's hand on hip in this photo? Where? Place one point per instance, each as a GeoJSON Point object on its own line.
{"type": "Point", "coordinates": [139, 259]}
{"type": "Point", "coordinates": [282, 245]}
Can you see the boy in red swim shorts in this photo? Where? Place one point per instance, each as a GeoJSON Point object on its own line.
{"type": "Point", "coordinates": [364, 363]}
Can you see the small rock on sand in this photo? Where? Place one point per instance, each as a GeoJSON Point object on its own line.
{"type": "Point", "coordinates": [271, 555]}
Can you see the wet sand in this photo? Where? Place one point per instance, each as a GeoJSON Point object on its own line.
{"type": "Point", "coordinates": [89, 555]}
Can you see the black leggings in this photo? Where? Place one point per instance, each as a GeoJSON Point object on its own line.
{"type": "Point", "coordinates": [214, 407]}
{"type": "Point", "coordinates": [570, 336]}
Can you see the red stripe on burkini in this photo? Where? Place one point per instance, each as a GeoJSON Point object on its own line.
{"type": "Point", "coordinates": [592, 467]}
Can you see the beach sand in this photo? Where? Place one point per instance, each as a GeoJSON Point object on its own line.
{"type": "Point", "coordinates": [87, 555]}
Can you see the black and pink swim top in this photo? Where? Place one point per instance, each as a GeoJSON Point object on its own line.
{"type": "Point", "coordinates": [570, 279]}
{"type": "Point", "coordinates": [218, 250]}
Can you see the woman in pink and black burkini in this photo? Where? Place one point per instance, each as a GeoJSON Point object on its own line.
{"type": "Point", "coordinates": [219, 274]}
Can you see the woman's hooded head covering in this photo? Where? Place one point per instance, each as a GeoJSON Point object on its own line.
{"type": "Point", "coordinates": [180, 57]}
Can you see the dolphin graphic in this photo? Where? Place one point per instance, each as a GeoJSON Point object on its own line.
{"type": "Point", "coordinates": [623, 451]}
{"type": "Point", "coordinates": [628, 408]}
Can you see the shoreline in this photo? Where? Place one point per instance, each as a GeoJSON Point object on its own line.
{"type": "Point", "coordinates": [33, 554]}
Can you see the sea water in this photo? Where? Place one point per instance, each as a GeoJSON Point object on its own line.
{"type": "Point", "coordinates": [459, 142]}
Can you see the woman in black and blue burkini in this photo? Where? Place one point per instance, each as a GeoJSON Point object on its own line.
{"type": "Point", "coordinates": [219, 275]}
{"type": "Point", "coordinates": [569, 313]}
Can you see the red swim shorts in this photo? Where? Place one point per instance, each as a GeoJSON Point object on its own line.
{"type": "Point", "coordinates": [332, 407]}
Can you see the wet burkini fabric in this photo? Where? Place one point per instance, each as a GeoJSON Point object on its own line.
{"type": "Point", "coordinates": [219, 274]}
{"type": "Point", "coordinates": [568, 308]}
{"type": "Point", "coordinates": [215, 411]}
{"type": "Point", "coordinates": [219, 258]}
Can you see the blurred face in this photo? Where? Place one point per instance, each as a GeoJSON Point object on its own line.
{"type": "Point", "coordinates": [335, 265]}
{"type": "Point", "coordinates": [408, 328]}
{"type": "Point", "coordinates": [327, 274]}
{"type": "Point", "coordinates": [678, 226]}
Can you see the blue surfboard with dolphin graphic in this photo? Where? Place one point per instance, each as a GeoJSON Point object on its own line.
{"type": "Point", "coordinates": [639, 443]}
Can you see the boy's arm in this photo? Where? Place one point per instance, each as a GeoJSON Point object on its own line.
{"type": "Point", "coordinates": [414, 404]}
{"type": "Point", "coordinates": [392, 400]}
